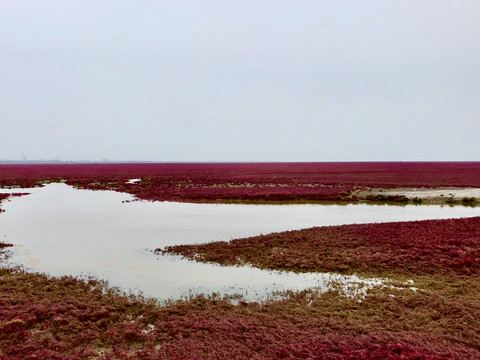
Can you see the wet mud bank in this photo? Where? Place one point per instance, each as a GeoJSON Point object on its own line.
{"type": "Point", "coordinates": [440, 196]}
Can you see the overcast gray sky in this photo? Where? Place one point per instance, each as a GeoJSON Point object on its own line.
{"type": "Point", "coordinates": [249, 80]}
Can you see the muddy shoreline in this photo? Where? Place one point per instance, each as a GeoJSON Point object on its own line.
{"type": "Point", "coordinates": [430, 196]}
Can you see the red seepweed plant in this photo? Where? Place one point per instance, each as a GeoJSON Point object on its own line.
{"type": "Point", "coordinates": [264, 182]}
{"type": "Point", "coordinates": [67, 318]}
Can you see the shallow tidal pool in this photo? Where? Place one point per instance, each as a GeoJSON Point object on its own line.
{"type": "Point", "coordinates": [61, 230]}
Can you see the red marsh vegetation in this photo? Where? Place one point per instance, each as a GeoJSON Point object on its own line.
{"type": "Point", "coordinates": [265, 182]}
{"type": "Point", "coordinates": [415, 247]}
{"type": "Point", "coordinates": [3, 197]}
{"type": "Point", "coordinates": [67, 318]}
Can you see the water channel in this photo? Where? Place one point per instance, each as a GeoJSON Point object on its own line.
{"type": "Point", "coordinates": [61, 230]}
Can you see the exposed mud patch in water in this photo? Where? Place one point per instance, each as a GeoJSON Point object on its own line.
{"type": "Point", "coordinates": [446, 195]}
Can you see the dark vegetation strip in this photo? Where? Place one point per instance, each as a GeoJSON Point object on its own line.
{"type": "Point", "coordinates": [257, 182]}
{"type": "Point", "coordinates": [6, 196]}
{"type": "Point", "coordinates": [415, 247]}
{"type": "Point", "coordinates": [3, 197]}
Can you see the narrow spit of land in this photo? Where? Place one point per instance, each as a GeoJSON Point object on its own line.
{"type": "Point", "coordinates": [444, 247]}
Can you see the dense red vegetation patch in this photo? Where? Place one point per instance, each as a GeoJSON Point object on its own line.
{"type": "Point", "coordinates": [66, 318]}
{"type": "Point", "coordinates": [416, 247]}
{"type": "Point", "coordinates": [246, 181]}
{"type": "Point", "coordinates": [369, 174]}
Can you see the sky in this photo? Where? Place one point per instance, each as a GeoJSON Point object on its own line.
{"type": "Point", "coordinates": [249, 80]}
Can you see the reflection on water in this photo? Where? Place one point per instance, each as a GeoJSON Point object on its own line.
{"type": "Point", "coordinates": [63, 231]}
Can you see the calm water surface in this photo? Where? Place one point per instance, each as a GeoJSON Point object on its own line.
{"type": "Point", "coordinates": [63, 231]}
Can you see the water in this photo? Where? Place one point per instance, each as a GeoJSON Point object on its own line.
{"type": "Point", "coordinates": [60, 230]}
